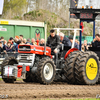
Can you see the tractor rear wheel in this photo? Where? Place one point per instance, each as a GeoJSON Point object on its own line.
{"type": "Point", "coordinates": [87, 68]}
{"type": "Point", "coordinates": [46, 71]}
{"type": "Point", "coordinates": [8, 61]}
{"type": "Point", "coordinates": [69, 68]}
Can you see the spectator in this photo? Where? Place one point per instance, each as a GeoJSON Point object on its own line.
{"type": "Point", "coordinates": [42, 42]}
{"type": "Point", "coordinates": [4, 44]}
{"type": "Point", "coordinates": [53, 41]}
{"type": "Point", "coordinates": [71, 41]}
{"type": "Point", "coordinates": [33, 42]}
{"type": "Point", "coordinates": [16, 46]}
{"type": "Point", "coordinates": [28, 41]}
{"type": "Point", "coordinates": [15, 41]}
{"type": "Point", "coordinates": [77, 41]}
{"type": "Point", "coordinates": [96, 41]}
{"type": "Point", "coordinates": [2, 39]}
{"type": "Point", "coordinates": [21, 37]}
{"type": "Point", "coordinates": [24, 41]}
{"type": "Point", "coordinates": [2, 50]}
{"type": "Point", "coordinates": [64, 39]}
{"type": "Point", "coordinates": [9, 47]}
{"type": "Point", "coordinates": [11, 40]}
{"type": "Point", "coordinates": [85, 46]}
{"type": "Point", "coordinates": [17, 38]}
{"type": "Point", "coordinates": [1, 47]}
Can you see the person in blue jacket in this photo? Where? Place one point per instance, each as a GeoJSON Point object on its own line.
{"type": "Point", "coordinates": [71, 41]}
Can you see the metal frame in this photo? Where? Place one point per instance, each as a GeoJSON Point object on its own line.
{"type": "Point", "coordinates": [77, 12]}
{"type": "Point", "coordinates": [69, 29]}
{"type": "Point", "coordinates": [80, 39]}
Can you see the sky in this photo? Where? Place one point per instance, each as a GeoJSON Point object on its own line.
{"type": "Point", "coordinates": [94, 3]}
{"type": "Point", "coordinates": [1, 6]}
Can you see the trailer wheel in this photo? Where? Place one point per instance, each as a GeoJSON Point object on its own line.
{"type": "Point", "coordinates": [6, 80]}
{"type": "Point", "coordinates": [8, 61]}
{"type": "Point", "coordinates": [87, 68]}
{"type": "Point", "coordinates": [46, 71]}
{"type": "Point", "coordinates": [69, 68]}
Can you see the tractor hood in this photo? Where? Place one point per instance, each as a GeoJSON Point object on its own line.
{"type": "Point", "coordinates": [34, 49]}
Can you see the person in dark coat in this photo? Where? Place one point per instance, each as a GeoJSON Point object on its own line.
{"type": "Point", "coordinates": [53, 42]}
{"type": "Point", "coordinates": [9, 47]}
{"type": "Point", "coordinates": [1, 48]}
{"type": "Point", "coordinates": [96, 41]}
{"type": "Point", "coordinates": [16, 46]}
{"type": "Point", "coordinates": [2, 51]}
{"type": "Point", "coordinates": [64, 40]}
{"type": "Point", "coordinates": [11, 40]}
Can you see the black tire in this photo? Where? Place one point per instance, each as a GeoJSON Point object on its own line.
{"type": "Point", "coordinates": [30, 77]}
{"type": "Point", "coordinates": [83, 68]}
{"type": "Point", "coordinates": [69, 68]}
{"type": "Point", "coordinates": [41, 70]}
{"type": "Point", "coordinates": [6, 80]}
{"type": "Point", "coordinates": [98, 80]}
{"type": "Point", "coordinates": [8, 61]}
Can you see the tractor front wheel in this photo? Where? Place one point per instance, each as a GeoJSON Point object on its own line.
{"type": "Point", "coordinates": [46, 71]}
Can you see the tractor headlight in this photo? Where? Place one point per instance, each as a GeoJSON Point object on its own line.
{"type": "Point", "coordinates": [18, 57]}
{"type": "Point", "coordinates": [28, 57]}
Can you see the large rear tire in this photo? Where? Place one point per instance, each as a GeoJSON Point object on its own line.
{"type": "Point", "coordinates": [8, 61]}
{"type": "Point", "coordinates": [46, 71]}
{"type": "Point", "coordinates": [87, 68]}
{"type": "Point", "coordinates": [69, 68]}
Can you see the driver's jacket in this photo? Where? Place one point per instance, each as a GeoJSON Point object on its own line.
{"type": "Point", "coordinates": [53, 42]}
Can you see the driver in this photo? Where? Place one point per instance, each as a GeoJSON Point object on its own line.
{"type": "Point", "coordinates": [53, 42]}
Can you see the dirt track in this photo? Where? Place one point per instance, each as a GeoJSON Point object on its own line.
{"type": "Point", "coordinates": [29, 91]}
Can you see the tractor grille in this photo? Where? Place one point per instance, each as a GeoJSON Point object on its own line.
{"type": "Point", "coordinates": [25, 58]}
{"type": "Point", "coordinates": [24, 48]}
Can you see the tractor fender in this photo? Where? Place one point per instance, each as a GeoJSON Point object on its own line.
{"type": "Point", "coordinates": [69, 51]}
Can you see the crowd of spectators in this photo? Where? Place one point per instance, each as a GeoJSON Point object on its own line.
{"type": "Point", "coordinates": [12, 44]}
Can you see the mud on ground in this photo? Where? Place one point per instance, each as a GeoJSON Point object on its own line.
{"type": "Point", "coordinates": [57, 90]}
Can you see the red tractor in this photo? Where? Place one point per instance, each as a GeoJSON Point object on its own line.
{"type": "Point", "coordinates": [36, 64]}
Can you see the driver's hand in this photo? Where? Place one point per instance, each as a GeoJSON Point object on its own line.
{"type": "Point", "coordinates": [55, 50]}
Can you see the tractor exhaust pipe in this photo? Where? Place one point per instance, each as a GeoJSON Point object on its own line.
{"type": "Point", "coordinates": [45, 37]}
